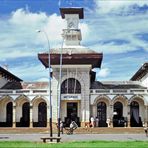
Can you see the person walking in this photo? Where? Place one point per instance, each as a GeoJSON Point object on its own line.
{"type": "Point", "coordinates": [92, 122]}
{"type": "Point", "coordinates": [61, 126]}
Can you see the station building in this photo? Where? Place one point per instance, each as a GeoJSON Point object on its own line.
{"type": "Point", "coordinates": [112, 103]}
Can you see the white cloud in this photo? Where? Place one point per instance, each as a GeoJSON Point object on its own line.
{"type": "Point", "coordinates": [102, 30]}
{"type": "Point", "coordinates": [19, 38]}
{"type": "Point", "coordinates": [54, 28]}
{"type": "Point", "coordinates": [104, 72]}
{"type": "Point", "coordinates": [29, 71]}
{"type": "Point", "coordinates": [18, 33]}
{"type": "Point", "coordinates": [26, 18]}
{"type": "Point", "coordinates": [59, 3]}
{"type": "Point", "coordinates": [107, 6]}
{"type": "Point", "coordinates": [43, 79]}
{"type": "Point", "coordinates": [84, 30]}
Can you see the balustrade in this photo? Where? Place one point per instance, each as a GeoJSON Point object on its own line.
{"type": "Point", "coordinates": [118, 91]}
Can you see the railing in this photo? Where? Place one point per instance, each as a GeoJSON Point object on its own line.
{"type": "Point", "coordinates": [92, 91]}
{"type": "Point", "coordinates": [118, 91]}
{"type": "Point", "coordinates": [102, 91]}
{"type": "Point", "coordinates": [24, 91]}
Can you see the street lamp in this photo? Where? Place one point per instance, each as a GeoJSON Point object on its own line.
{"type": "Point", "coordinates": [59, 89]}
{"type": "Point", "coordinates": [49, 65]}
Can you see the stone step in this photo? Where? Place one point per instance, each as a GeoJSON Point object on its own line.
{"type": "Point", "coordinates": [101, 130]}
{"type": "Point", "coordinates": [116, 130]}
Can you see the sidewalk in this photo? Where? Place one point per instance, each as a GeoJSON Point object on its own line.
{"type": "Point", "coordinates": [80, 134]}
{"type": "Point", "coordinates": [74, 137]}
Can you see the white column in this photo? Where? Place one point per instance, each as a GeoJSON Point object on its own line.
{"type": "Point", "coordinates": [54, 96]}
{"type": "Point", "coordinates": [128, 116]}
{"type": "Point", "coordinates": [85, 108]}
{"type": "Point", "coordinates": [31, 120]}
{"type": "Point", "coordinates": [111, 115]}
{"type": "Point", "coordinates": [48, 111]}
{"type": "Point", "coordinates": [14, 115]}
{"type": "Point", "coordinates": [82, 111]}
{"type": "Point", "coordinates": [146, 115]}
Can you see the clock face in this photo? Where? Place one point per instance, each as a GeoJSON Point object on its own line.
{"type": "Point", "coordinates": [71, 24]}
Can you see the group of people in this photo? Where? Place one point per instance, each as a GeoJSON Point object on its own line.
{"type": "Point", "coordinates": [94, 122]}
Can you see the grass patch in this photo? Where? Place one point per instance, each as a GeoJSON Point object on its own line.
{"type": "Point", "coordinates": [114, 144]}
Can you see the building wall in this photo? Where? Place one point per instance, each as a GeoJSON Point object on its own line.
{"type": "Point", "coordinates": [144, 80]}
{"type": "Point", "coordinates": [19, 100]}
{"type": "Point", "coordinates": [80, 73]}
{"type": "Point", "coordinates": [125, 100]}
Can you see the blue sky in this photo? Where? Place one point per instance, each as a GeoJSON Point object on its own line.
{"type": "Point", "coordinates": [118, 28]}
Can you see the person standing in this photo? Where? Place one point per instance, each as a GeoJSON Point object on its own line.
{"type": "Point", "coordinates": [97, 122]}
{"type": "Point", "coordinates": [61, 127]}
{"type": "Point", "coordinates": [92, 122]}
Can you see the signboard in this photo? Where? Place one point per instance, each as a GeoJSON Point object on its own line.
{"type": "Point", "coordinates": [71, 97]}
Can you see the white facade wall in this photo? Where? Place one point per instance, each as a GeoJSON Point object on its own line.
{"type": "Point", "coordinates": [87, 104]}
{"type": "Point", "coordinates": [80, 73]}
{"type": "Point", "coordinates": [144, 80]}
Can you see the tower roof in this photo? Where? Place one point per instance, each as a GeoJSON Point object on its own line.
{"type": "Point", "coordinates": [93, 59]}
{"type": "Point", "coordinates": [73, 10]}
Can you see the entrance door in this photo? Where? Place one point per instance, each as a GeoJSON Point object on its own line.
{"type": "Point", "coordinates": [101, 113]}
{"type": "Point", "coordinates": [26, 114]}
{"type": "Point", "coordinates": [135, 120]}
{"type": "Point", "coordinates": [118, 119]}
{"type": "Point", "coordinates": [42, 114]}
{"type": "Point", "coordinates": [9, 114]}
{"type": "Point", "coordinates": [72, 113]}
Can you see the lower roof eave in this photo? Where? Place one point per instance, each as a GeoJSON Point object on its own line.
{"type": "Point", "coordinates": [74, 59]}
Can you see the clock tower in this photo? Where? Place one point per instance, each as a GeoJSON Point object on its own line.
{"type": "Point", "coordinates": [72, 33]}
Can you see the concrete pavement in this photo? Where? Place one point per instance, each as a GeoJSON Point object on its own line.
{"type": "Point", "coordinates": [75, 137]}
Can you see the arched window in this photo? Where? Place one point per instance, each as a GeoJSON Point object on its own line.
{"type": "Point", "coordinates": [71, 86]}
{"type": "Point", "coordinates": [118, 109]}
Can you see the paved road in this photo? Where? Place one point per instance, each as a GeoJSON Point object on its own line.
{"type": "Point", "coordinates": [75, 137]}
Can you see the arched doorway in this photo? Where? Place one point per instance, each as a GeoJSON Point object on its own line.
{"type": "Point", "coordinates": [71, 86]}
{"type": "Point", "coordinates": [72, 113]}
{"type": "Point", "coordinates": [26, 114]}
{"type": "Point", "coordinates": [135, 120]}
{"type": "Point", "coordinates": [9, 115]}
{"type": "Point", "coordinates": [118, 119]}
{"type": "Point", "coordinates": [25, 118]}
{"type": "Point", "coordinates": [42, 114]}
{"type": "Point", "coordinates": [101, 114]}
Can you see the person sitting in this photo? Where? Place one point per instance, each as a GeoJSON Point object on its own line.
{"type": "Point", "coordinates": [73, 126]}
